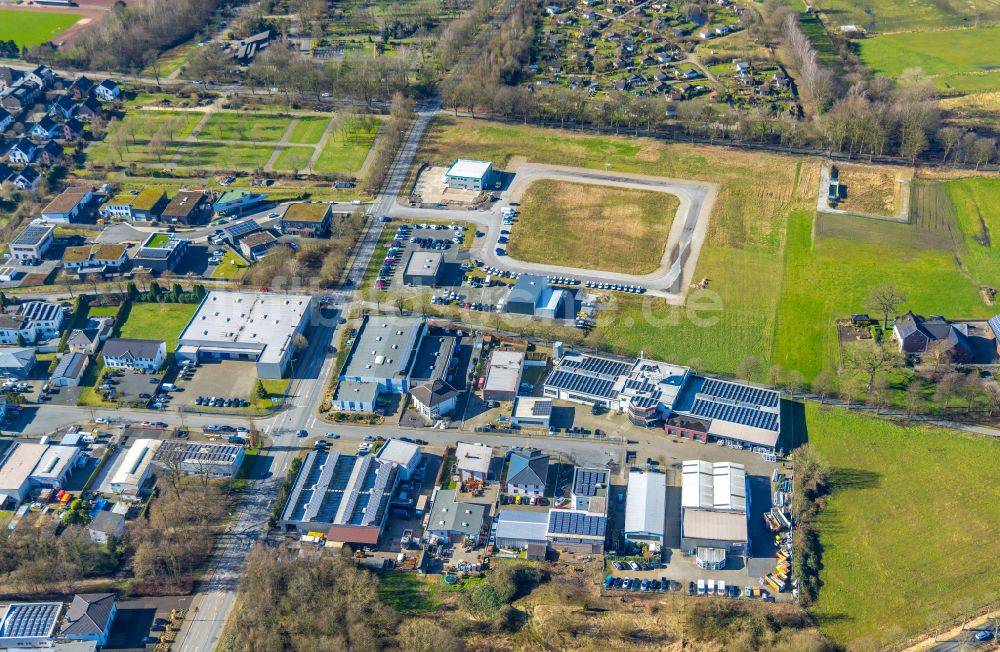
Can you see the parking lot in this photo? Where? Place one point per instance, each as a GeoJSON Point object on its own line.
{"type": "Point", "coordinates": [226, 379]}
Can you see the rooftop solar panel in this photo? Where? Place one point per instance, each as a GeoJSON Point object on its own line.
{"type": "Point", "coordinates": [747, 416]}
{"type": "Point", "coordinates": [577, 523]}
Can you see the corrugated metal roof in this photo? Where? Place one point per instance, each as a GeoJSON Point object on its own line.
{"type": "Point", "coordinates": [646, 503]}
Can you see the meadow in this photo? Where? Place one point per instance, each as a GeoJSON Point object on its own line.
{"type": "Point", "coordinates": [347, 147]}
{"type": "Point", "coordinates": [158, 321]}
{"type": "Point", "coordinates": [908, 508]}
{"type": "Point", "coordinates": [897, 16]}
{"type": "Point", "coordinates": [951, 54]}
{"type": "Point", "coordinates": [29, 28]}
{"type": "Point", "coordinates": [308, 130]}
{"type": "Point", "coordinates": [141, 127]}
{"type": "Point", "coordinates": [596, 227]}
{"type": "Point", "coordinates": [975, 202]}
{"type": "Point", "coordinates": [261, 128]}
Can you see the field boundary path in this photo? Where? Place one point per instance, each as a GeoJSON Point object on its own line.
{"type": "Point", "coordinates": [280, 145]}
{"type": "Point", "coordinates": [680, 254]}
{"type": "Point", "coordinates": [323, 140]}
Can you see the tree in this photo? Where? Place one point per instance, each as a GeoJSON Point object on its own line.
{"type": "Point", "coordinates": [420, 635]}
{"type": "Point", "coordinates": [749, 368]}
{"type": "Point", "coordinates": [20, 340]}
{"type": "Point", "coordinates": [261, 391]}
{"type": "Point", "coordinates": [300, 342]}
{"type": "Point", "coordinates": [983, 150]}
{"type": "Point", "coordinates": [795, 381]}
{"type": "Point", "coordinates": [947, 388]}
{"type": "Point", "coordinates": [915, 397]}
{"type": "Point", "coordinates": [886, 298]}
{"type": "Point", "coordinates": [949, 138]}
{"type": "Point", "coordinates": [939, 352]}
{"type": "Point", "coordinates": [871, 358]}
{"type": "Point", "coordinates": [775, 374]}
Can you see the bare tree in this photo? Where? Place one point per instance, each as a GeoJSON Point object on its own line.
{"type": "Point", "coordinates": [886, 299]}
{"type": "Point", "coordinates": [949, 137]}
{"type": "Point", "coordinates": [871, 358]}
{"type": "Point", "coordinates": [749, 368]}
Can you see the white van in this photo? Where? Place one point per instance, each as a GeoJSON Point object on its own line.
{"type": "Point", "coordinates": [711, 587]}
{"type": "Point", "coordinates": [720, 588]}
{"type": "Point", "coordinates": [701, 587]}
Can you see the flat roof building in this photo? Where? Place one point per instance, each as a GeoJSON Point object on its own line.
{"type": "Point", "coordinates": [30, 466]}
{"type": "Point", "coordinates": [161, 252]}
{"type": "Point", "coordinates": [199, 458]}
{"type": "Point", "coordinates": [714, 507]}
{"type": "Point", "coordinates": [306, 219]}
{"type": "Point", "coordinates": [714, 409]}
{"type": "Point", "coordinates": [534, 295]}
{"type": "Point", "coordinates": [257, 327]}
{"type": "Point", "coordinates": [188, 207]}
{"type": "Point", "coordinates": [383, 352]}
{"type": "Point", "coordinates": [68, 205]}
{"type": "Point", "coordinates": [645, 509]}
{"type": "Point", "coordinates": [576, 531]}
{"type": "Point", "coordinates": [452, 520]}
{"type": "Point", "coordinates": [470, 175]}
{"type": "Point", "coordinates": [473, 461]}
{"type": "Point", "coordinates": [135, 468]}
{"type": "Point", "coordinates": [519, 528]}
{"type": "Point", "coordinates": [32, 242]}
{"type": "Point", "coordinates": [29, 624]}
{"type": "Point", "coordinates": [588, 379]}
{"type": "Point", "coordinates": [503, 375]}
{"type": "Point", "coordinates": [531, 412]}
{"type": "Point", "coordinates": [403, 454]}
{"type": "Point", "coordinates": [423, 268]}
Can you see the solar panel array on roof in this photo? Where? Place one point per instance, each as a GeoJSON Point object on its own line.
{"type": "Point", "coordinates": [587, 481]}
{"type": "Point", "coordinates": [575, 382]}
{"type": "Point", "coordinates": [597, 366]}
{"type": "Point", "coordinates": [746, 416]}
{"type": "Point", "coordinates": [30, 620]}
{"type": "Point", "coordinates": [579, 523]}
{"type": "Point", "coordinates": [541, 408]}
{"type": "Point", "coordinates": [742, 394]}
{"type": "Point", "coordinates": [241, 229]}
{"type": "Point", "coordinates": [644, 402]}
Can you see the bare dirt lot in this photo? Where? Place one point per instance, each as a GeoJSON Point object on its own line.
{"type": "Point", "coordinates": [869, 190]}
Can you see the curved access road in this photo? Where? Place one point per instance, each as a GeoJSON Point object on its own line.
{"type": "Point", "coordinates": [687, 232]}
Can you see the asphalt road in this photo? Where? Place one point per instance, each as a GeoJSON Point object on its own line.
{"type": "Point", "coordinates": [670, 280]}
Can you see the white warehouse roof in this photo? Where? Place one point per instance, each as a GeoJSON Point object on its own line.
{"type": "Point", "coordinates": [138, 458]}
{"type": "Point", "coordinates": [720, 486]}
{"type": "Point", "coordinates": [473, 457]}
{"type": "Point", "coordinates": [469, 169]}
{"type": "Point", "coordinates": [646, 504]}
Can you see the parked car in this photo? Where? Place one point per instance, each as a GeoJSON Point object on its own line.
{"type": "Point", "coordinates": [634, 566]}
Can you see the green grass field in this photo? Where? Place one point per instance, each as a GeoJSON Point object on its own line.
{"type": "Point", "coordinates": [29, 28]}
{"type": "Point", "coordinates": [949, 53]}
{"type": "Point", "coordinates": [975, 202]}
{"type": "Point", "coordinates": [220, 156]}
{"type": "Point", "coordinates": [597, 227]}
{"type": "Point", "coordinates": [308, 130]}
{"type": "Point", "coordinates": [236, 126]}
{"type": "Point", "coordinates": [294, 158]}
{"type": "Point", "coordinates": [231, 267]}
{"type": "Point", "coordinates": [346, 152]}
{"type": "Point", "coordinates": [911, 507]}
{"type": "Point", "coordinates": [897, 16]}
{"type": "Point", "coordinates": [158, 321]}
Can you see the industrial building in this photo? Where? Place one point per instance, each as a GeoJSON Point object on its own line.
{"type": "Point", "coordinates": [346, 497]}
{"type": "Point", "coordinates": [28, 625]}
{"type": "Point", "coordinates": [403, 454]}
{"type": "Point", "coordinates": [199, 458]}
{"type": "Point", "coordinates": [534, 295]}
{"type": "Point", "coordinates": [531, 412]}
{"type": "Point", "coordinates": [686, 404]}
{"type": "Point", "coordinates": [503, 375]}
{"type": "Point", "coordinates": [69, 370]}
{"type": "Point", "coordinates": [519, 528]}
{"type": "Point", "coordinates": [423, 268]}
{"type": "Point", "coordinates": [27, 467]}
{"type": "Point", "coordinates": [135, 468]}
{"type": "Point", "coordinates": [645, 509]}
{"type": "Point", "coordinates": [351, 396]}
{"type": "Point", "coordinates": [452, 521]}
{"type": "Point", "coordinates": [470, 175]}
{"type": "Point", "coordinates": [257, 327]}
{"type": "Point", "coordinates": [574, 531]}
{"type": "Point", "coordinates": [17, 362]}
{"type": "Point", "coordinates": [714, 508]}
{"type": "Point", "coordinates": [383, 352]}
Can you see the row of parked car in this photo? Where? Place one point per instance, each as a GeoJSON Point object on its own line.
{"type": "Point", "coordinates": [629, 584]}
{"type": "Point", "coordinates": [616, 287]}
{"type": "Point", "coordinates": [216, 401]}
{"type": "Point", "coordinates": [634, 565]}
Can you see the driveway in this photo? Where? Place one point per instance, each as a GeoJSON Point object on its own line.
{"type": "Point", "coordinates": [680, 254]}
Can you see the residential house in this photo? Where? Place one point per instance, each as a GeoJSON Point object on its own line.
{"type": "Point", "coordinates": [452, 521]}
{"type": "Point", "coordinates": [246, 49]}
{"type": "Point", "coordinates": [9, 77]}
{"type": "Point", "coordinates": [145, 205]}
{"type": "Point", "coordinates": [46, 318]}
{"type": "Point", "coordinates": [51, 152]}
{"type": "Point", "coordinates": [473, 462]}
{"type": "Point", "coordinates": [13, 327]}
{"type": "Point", "coordinates": [915, 335]}
{"type": "Point", "coordinates": [527, 473]}
{"type": "Point", "coordinates": [90, 109]}
{"type": "Point", "coordinates": [17, 362]}
{"type": "Point", "coordinates": [72, 129]}
{"type": "Point", "coordinates": [64, 107]}
{"type": "Point", "coordinates": [106, 526]}
{"type": "Point", "coordinates": [144, 355]}
{"type": "Point", "coordinates": [25, 179]}
{"type": "Point", "coordinates": [108, 90]}
{"type": "Point", "coordinates": [81, 88]}
{"type": "Point", "coordinates": [41, 75]}
{"type": "Point", "coordinates": [238, 202]}
{"type": "Point", "coordinates": [100, 258]}
{"type": "Point", "coordinates": [23, 151]}
{"type": "Point", "coordinates": [88, 339]}
{"type": "Point", "coordinates": [6, 119]}
{"type": "Point", "coordinates": [188, 207]}
{"type": "Point", "coordinates": [434, 399]}
{"type": "Point", "coordinates": [68, 205]}
{"type": "Point", "coordinates": [21, 98]}
{"type": "Point", "coordinates": [32, 243]}
{"type": "Point", "coordinates": [90, 615]}
{"type": "Point", "coordinates": [256, 245]}
{"type": "Point", "coordinates": [69, 372]}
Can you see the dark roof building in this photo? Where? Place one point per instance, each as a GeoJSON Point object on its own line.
{"type": "Point", "coordinates": [89, 617]}
{"type": "Point", "coordinates": [527, 471]}
{"type": "Point", "coordinates": [306, 219]}
{"type": "Point", "coordinates": [915, 334]}
{"type": "Point", "coordinates": [189, 207]}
